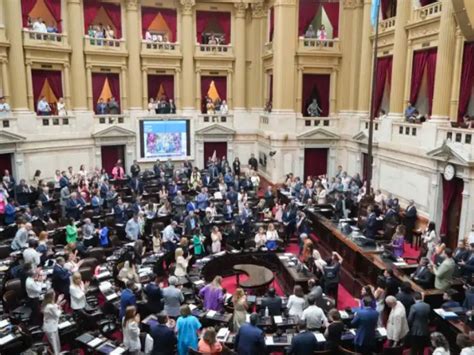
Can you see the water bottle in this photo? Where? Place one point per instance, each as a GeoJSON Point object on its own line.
{"type": "Point", "coordinates": [266, 311]}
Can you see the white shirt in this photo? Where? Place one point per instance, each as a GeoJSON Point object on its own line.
{"type": "Point", "coordinates": [470, 237]}
{"type": "Point", "coordinates": [168, 234]}
{"type": "Point", "coordinates": [78, 296]}
{"type": "Point", "coordinates": [51, 314]}
{"type": "Point", "coordinates": [5, 108]}
{"type": "Point", "coordinates": [315, 318]}
{"type": "Point", "coordinates": [33, 288]}
{"type": "Point", "coordinates": [181, 266]}
{"type": "Point", "coordinates": [467, 351]}
{"type": "Point", "coordinates": [131, 336]}
{"type": "Point", "coordinates": [272, 235]}
{"type": "Point", "coordinates": [260, 239]}
{"type": "Point", "coordinates": [43, 106]}
{"type": "Point", "coordinates": [295, 306]}
{"type": "Point", "coordinates": [397, 325]}
{"type": "Point", "coordinates": [62, 109]}
{"type": "Point", "coordinates": [31, 256]}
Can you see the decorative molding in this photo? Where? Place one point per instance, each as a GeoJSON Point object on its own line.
{"type": "Point", "coordinates": [9, 137]}
{"type": "Point", "coordinates": [451, 152]}
{"type": "Point", "coordinates": [259, 10]}
{"type": "Point", "coordinates": [215, 129]}
{"type": "Point", "coordinates": [131, 5]}
{"type": "Point", "coordinates": [113, 131]}
{"type": "Point", "coordinates": [316, 134]}
{"type": "Point", "coordinates": [187, 6]}
{"type": "Point", "coordinates": [352, 4]}
{"type": "Point", "coordinates": [240, 9]}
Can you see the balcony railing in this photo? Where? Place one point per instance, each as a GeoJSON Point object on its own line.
{"type": "Point", "coordinates": [55, 120]}
{"type": "Point", "coordinates": [455, 135]}
{"type": "Point", "coordinates": [110, 119]}
{"type": "Point", "coordinates": [364, 124]}
{"type": "Point", "coordinates": [40, 38]}
{"type": "Point", "coordinates": [91, 43]}
{"type": "Point", "coordinates": [318, 121]}
{"type": "Point", "coordinates": [214, 49]}
{"type": "Point", "coordinates": [428, 11]}
{"type": "Point", "coordinates": [387, 24]}
{"type": "Point", "coordinates": [313, 44]}
{"type": "Point", "coordinates": [268, 47]}
{"type": "Point", "coordinates": [7, 120]}
{"type": "Point", "coordinates": [226, 119]}
{"type": "Point", "coordinates": [160, 47]}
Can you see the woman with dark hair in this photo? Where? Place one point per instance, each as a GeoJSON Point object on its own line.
{"type": "Point", "coordinates": [208, 343]}
{"type": "Point", "coordinates": [430, 239]}
{"type": "Point", "coordinates": [236, 166]}
{"type": "Point", "coordinates": [368, 292]}
{"type": "Point", "coordinates": [187, 327]}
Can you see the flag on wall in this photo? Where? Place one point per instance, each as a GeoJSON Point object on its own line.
{"type": "Point", "coordinates": [212, 92]}
{"type": "Point", "coordinates": [374, 12]}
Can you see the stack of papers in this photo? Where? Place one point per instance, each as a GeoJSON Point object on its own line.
{"type": "Point", "coordinates": [118, 351]}
{"type": "Point", "coordinates": [269, 340]}
{"type": "Point", "coordinates": [278, 319]}
{"type": "Point", "coordinates": [222, 334]}
{"type": "Point", "coordinates": [95, 342]}
{"type": "Point", "coordinates": [6, 339]}
{"type": "Point", "coordinates": [4, 323]}
{"type": "Point", "coordinates": [319, 337]}
{"type": "Point", "coordinates": [64, 324]}
{"type": "Point", "coordinates": [210, 314]}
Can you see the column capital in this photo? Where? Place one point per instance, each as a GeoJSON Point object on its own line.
{"type": "Point", "coordinates": [351, 4]}
{"type": "Point", "coordinates": [78, 2]}
{"type": "Point", "coordinates": [285, 3]}
{"type": "Point", "coordinates": [89, 66]}
{"type": "Point", "coordinates": [259, 10]}
{"type": "Point", "coordinates": [240, 9]}
{"type": "Point", "coordinates": [66, 65]}
{"type": "Point", "coordinates": [177, 70]}
{"type": "Point", "coordinates": [187, 6]}
{"type": "Point", "coordinates": [131, 5]}
{"type": "Point", "coordinates": [144, 69]}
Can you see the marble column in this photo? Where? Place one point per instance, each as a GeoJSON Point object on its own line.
{"type": "Point", "coordinates": [239, 50]}
{"type": "Point", "coordinates": [188, 41]}
{"type": "Point", "coordinates": [455, 87]}
{"type": "Point", "coordinates": [365, 61]}
{"type": "Point", "coordinates": [134, 47]}
{"type": "Point", "coordinates": [5, 81]}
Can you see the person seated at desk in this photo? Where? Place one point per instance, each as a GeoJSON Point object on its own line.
{"type": "Point", "coordinates": [303, 343]}
{"type": "Point", "coordinates": [208, 344]}
{"type": "Point", "coordinates": [250, 339]}
{"type": "Point", "coordinates": [213, 295]}
{"type": "Point", "coordinates": [448, 301]}
{"type": "Point", "coordinates": [272, 302]}
{"type": "Point", "coordinates": [422, 275]}
{"type": "Point", "coordinates": [260, 238]}
{"type": "Point", "coordinates": [164, 338]}
{"type": "Point", "coordinates": [444, 273]}
{"type": "Point", "coordinates": [271, 237]}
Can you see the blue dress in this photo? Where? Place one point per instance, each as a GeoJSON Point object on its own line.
{"type": "Point", "coordinates": [187, 328]}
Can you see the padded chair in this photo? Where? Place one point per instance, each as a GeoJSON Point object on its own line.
{"type": "Point", "coordinates": [343, 351]}
{"type": "Point", "coordinates": [323, 352]}
{"type": "Point", "coordinates": [397, 350]}
{"type": "Point", "coordinates": [90, 262]}
{"type": "Point", "coordinates": [5, 251]}
{"type": "Point", "coordinates": [15, 285]}
{"type": "Point", "coordinates": [96, 253]}
{"type": "Point", "coordinates": [87, 273]}
{"type": "Point", "coordinates": [10, 300]}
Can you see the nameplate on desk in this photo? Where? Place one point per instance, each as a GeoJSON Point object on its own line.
{"type": "Point", "coordinates": [6, 339]}
{"type": "Point", "coordinates": [319, 337]}
{"type": "Point", "coordinates": [95, 342]}
{"type": "Point", "coordinates": [198, 282]}
{"type": "Point", "coordinates": [278, 319]}
{"type": "Point", "coordinates": [400, 263]}
{"type": "Point", "coordinates": [210, 314]}
{"type": "Point", "coordinates": [283, 257]}
{"type": "Point", "coordinates": [104, 275]}
{"type": "Point", "coordinates": [64, 324]}
{"type": "Point", "coordinates": [118, 351]}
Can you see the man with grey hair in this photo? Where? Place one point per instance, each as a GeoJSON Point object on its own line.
{"type": "Point", "coordinates": [88, 233]}
{"type": "Point", "coordinates": [170, 237]}
{"type": "Point", "coordinates": [20, 241]}
{"type": "Point", "coordinates": [172, 297]}
{"type": "Point", "coordinates": [397, 324]}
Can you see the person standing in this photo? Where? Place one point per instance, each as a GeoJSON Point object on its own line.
{"type": "Point", "coordinates": [253, 162]}
{"type": "Point", "coordinates": [213, 295]}
{"type": "Point", "coordinates": [410, 220]}
{"type": "Point", "coordinates": [164, 338]}
{"type": "Point", "coordinates": [131, 331]}
{"type": "Point", "coordinates": [418, 320]}
{"type": "Point", "coordinates": [365, 320]}
{"type": "Point", "coordinates": [240, 308]}
{"type": "Point", "coordinates": [51, 313]}
{"type": "Point", "coordinates": [397, 324]}
{"type": "Point", "coordinates": [187, 327]}
{"type": "Point", "coordinates": [250, 339]}
{"type": "Point", "coordinates": [172, 297]}
{"type": "Point", "coordinates": [444, 273]}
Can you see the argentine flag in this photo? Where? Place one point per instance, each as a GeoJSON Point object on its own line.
{"type": "Point", "coordinates": [374, 12]}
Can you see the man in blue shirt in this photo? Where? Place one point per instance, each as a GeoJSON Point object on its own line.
{"type": "Point", "coordinates": [202, 199]}
{"type": "Point", "coordinates": [101, 108]}
{"type": "Point", "coordinates": [250, 339]}
{"type": "Point", "coordinates": [365, 320]}
{"type": "Point", "coordinates": [410, 111]}
{"type": "Point", "coordinates": [127, 298]}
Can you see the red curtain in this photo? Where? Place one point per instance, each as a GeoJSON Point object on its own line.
{"type": "Point", "coordinates": [451, 190]}
{"type": "Point", "coordinates": [467, 79]}
{"type": "Point", "coordinates": [154, 83]}
{"type": "Point", "coordinates": [204, 17]}
{"type": "Point", "coordinates": [306, 13]}
{"type": "Point", "coordinates": [219, 147]}
{"type": "Point", "coordinates": [169, 15]}
{"type": "Point", "coordinates": [270, 95]}
{"type": "Point", "coordinates": [332, 11]}
{"type": "Point", "coordinates": [316, 86]}
{"type": "Point", "coordinates": [6, 163]}
{"type": "Point", "coordinates": [385, 4]}
{"type": "Point", "coordinates": [98, 81]}
{"type": "Point", "coordinates": [92, 7]}
{"type": "Point", "coordinates": [383, 74]}
{"type": "Point", "coordinates": [26, 7]}
{"type": "Point", "coordinates": [110, 154]}
{"type": "Point", "coordinates": [272, 24]}
{"type": "Point", "coordinates": [421, 60]}
{"type": "Point", "coordinates": [54, 7]}
{"type": "Point", "coordinates": [221, 86]}
{"type": "Point", "coordinates": [315, 161]}
{"type": "Point", "coordinates": [426, 2]}
{"type": "Point", "coordinates": [54, 78]}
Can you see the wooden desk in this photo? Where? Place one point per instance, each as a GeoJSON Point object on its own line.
{"type": "Point", "coordinates": [259, 277]}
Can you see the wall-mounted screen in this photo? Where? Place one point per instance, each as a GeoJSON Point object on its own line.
{"type": "Point", "coordinates": [163, 139]}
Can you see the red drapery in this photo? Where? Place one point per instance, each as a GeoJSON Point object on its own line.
{"type": "Point", "coordinates": [272, 24]}
{"type": "Point", "coordinates": [270, 88]}
{"type": "Point", "coordinates": [306, 13]}
{"type": "Point", "coordinates": [316, 86]}
{"type": "Point", "coordinates": [332, 11]}
{"type": "Point", "coordinates": [92, 7]}
{"type": "Point", "coordinates": [451, 189]}
{"type": "Point", "coordinates": [54, 7]}
{"type": "Point", "coordinates": [203, 19]}
{"type": "Point", "coordinates": [98, 81]}
{"type": "Point", "coordinates": [169, 15]}
{"type": "Point", "coordinates": [467, 79]}
{"type": "Point", "coordinates": [421, 60]}
{"type": "Point", "coordinates": [221, 86]}
{"type": "Point", "coordinates": [154, 83]}
{"type": "Point", "coordinates": [110, 154]}
{"type": "Point", "coordinates": [26, 7]}
{"type": "Point", "coordinates": [219, 147]}
{"type": "Point", "coordinates": [384, 74]}
{"type": "Point", "coordinates": [54, 79]}
{"type": "Point", "coordinates": [6, 163]}
{"type": "Point", "coordinates": [315, 161]}
{"type": "Point", "coordinates": [426, 2]}
{"type": "Point", "coordinates": [384, 5]}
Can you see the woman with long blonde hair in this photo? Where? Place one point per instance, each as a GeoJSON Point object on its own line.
{"type": "Point", "coordinates": [51, 313]}
{"type": "Point", "coordinates": [239, 300]}
{"type": "Point", "coordinates": [131, 330]}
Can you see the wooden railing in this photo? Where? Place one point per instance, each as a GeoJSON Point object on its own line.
{"type": "Point", "coordinates": [428, 11]}
{"type": "Point", "coordinates": [160, 46]}
{"type": "Point", "coordinates": [110, 119]}
{"type": "Point", "coordinates": [387, 24]}
{"type": "Point", "coordinates": [104, 43]}
{"type": "Point", "coordinates": [318, 44]}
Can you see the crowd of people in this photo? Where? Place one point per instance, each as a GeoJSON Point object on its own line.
{"type": "Point", "coordinates": [99, 34]}
{"type": "Point", "coordinates": [190, 200]}
{"type": "Point", "coordinates": [215, 106]}
{"type": "Point", "coordinates": [40, 26]}
{"type": "Point", "coordinates": [109, 107]}
{"type": "Point", "coordinates": [162, 106]}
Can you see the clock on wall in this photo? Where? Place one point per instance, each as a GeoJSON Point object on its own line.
{"type": "Point", "coordinates": [449, 172]}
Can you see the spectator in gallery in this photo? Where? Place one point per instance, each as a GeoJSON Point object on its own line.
{"type": "Point", "coordinates": [410, 111]}
{"type": "Point", "coordinates": [322, 34]}
{"type": "Point", "coordinates": [172, 107]}
{"type": "Point", "coordinates": [4, 106]}
{"type": "Point", "coordinates": [61, 107]}
{"type": "Point", "coordinates": [43, 107]}
{"type": "Point", "coordinates": [314, 110]}
{"type": "Point", "coordinates": [224, 108]}
{"type": "Point", "coordinates": [113, 107]}
{"type": "Point", "coordinates": [101, 108]}
{"type": "Point", "coordinates": [310, 32]}
{"type": "Point", "coordinates": [151, 106]}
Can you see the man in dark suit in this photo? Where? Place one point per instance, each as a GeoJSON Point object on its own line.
{"type": "Point", "coordinates": [467, 265]}
{"type": "Point", "coordinates": [190, 223]}
{"type": "Point", "coordinates": [250, 339]}
{"type": "Point", "coordinates": [391, 283]}
{"type": "Point", "coordinates": [405, 296]}
{"type": "Point", "coordinates": [135, 169]}
{"type": "Point", "coordinates": [365, 320]}
{"type": "Point", "coordinates": [272, 302]}
{"type": "Point", "coordinates": [61, 278]}
{"type": "Point", "coordinates": [304, 343]}
{"type": "Point", "coordinates": [154, 296]}
{"type": "Point", "coordinates": [253, 162]}
{"type": "Point", "coordinates": [461, 252]}
{"type": "Point", "coordinates": [164, 338]}
{"type": "Point", "coordinates": [371, 224]}
{"type": "Point", "coordinates": [418, 321]}
{"type": "Point", "coordinates": [119, 212]}
{"type": "Point", "coordinates": [127, 298]}
{"type": "Point", "coordinates": [136, 185]}
{"type": "Point", "coordinates": [422, 275]}
{"type": "Point", "coordinates": [410, 220]}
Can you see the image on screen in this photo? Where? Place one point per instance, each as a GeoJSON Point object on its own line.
{"type": "Point", "coordinates": [164, 139]}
